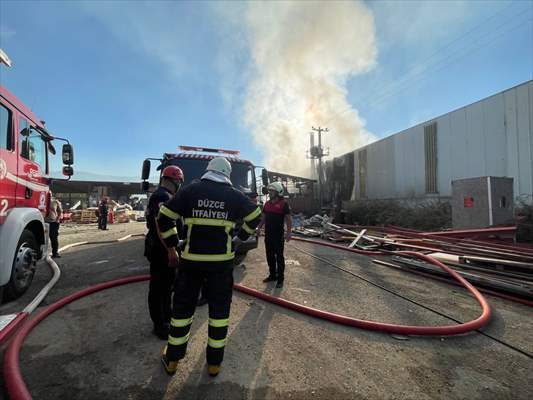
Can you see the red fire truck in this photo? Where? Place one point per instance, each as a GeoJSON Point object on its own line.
{"type": "Point", "coordinates": [25, 149]}
{"type": "Point", "coordinates": [193, 162]}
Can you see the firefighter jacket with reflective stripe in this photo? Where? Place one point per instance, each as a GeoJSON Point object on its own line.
{"type": "Point", "coordinates": [210, 211]}
{"type": "Point", "coordinates": [153, 248]}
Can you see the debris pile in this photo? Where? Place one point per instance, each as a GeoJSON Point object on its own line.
{"type": "Point", "coordinates": [121, 213]}
{"type": "Point", "coordinates": [86, 216]}
{"type": "Point", "coordinates": [484, 257]}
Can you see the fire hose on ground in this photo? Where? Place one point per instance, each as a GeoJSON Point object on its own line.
{"type": "Point", "coordinates": [18, 390]}
{"type": "Point", "coordinates": [16, 320]}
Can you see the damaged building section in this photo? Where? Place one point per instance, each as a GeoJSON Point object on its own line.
{"type": "Point", "coordinates": [490, 139]}
{"type": "Point", "coordinates": [301, 192]}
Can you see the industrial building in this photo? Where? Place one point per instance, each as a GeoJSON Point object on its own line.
{"type": "Point", "coordinates": [491, 137]}
{"type": "Point", "coordinates": [89, 193]}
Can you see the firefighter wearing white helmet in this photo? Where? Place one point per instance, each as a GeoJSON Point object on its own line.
{"type": "Point", "coordinates": [220, 165]}
{"type": "Point", "coordinates": [210, 209]}
{"type": "Point", "coordinates": [277, 187]}
{"type": "Point", "coordinates": [276, 214]}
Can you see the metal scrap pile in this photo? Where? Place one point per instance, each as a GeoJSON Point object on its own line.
{"type": "Point", "coordinates": [481, 256]}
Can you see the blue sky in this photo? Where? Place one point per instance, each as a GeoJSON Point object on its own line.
{"type": "Point", "coordinates": [128, 80]}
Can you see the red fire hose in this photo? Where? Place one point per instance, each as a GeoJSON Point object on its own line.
{"type": "Point", "coordinates": [15, 385]}
{"type": "Point", "coordinates": [18, 391]}
{"type": "Point", "coordinates": [479, 322]}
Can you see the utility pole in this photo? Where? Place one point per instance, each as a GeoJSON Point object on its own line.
{"type": "Point", "coordinates": [316, 153]}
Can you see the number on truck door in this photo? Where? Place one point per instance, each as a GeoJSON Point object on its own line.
{"type": "Point", "coordinates": [3, 207]}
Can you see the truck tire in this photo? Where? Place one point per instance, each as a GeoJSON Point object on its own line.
{"type": "Point", "coordinates": [23, 268]}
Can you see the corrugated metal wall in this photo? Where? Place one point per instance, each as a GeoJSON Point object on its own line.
{"type": "Point", "coordinates": [493, 137]}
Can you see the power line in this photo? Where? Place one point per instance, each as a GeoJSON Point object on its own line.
{"type": "Point", "coordinates": [440, 51]}
{"type": "Point", "coordinates": [421, 67]}
{"type": "Point", "coordinates": [458, 55]}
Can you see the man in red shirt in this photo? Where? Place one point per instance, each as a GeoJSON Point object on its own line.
{"type": "Point", "coordinates": [276, 214]}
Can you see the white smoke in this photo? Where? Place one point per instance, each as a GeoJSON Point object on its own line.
{"type": "Point", "coordinates": [302, 54]}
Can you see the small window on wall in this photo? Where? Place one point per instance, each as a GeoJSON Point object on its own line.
{"type": "Point", "coordinates": [503, 202]}
{"type": "Point", "coordinates": [362, 173]}
{"type": "Point", "coordinates": [5, 129]}
{"type": "Point", "coordinates": [430, 147]}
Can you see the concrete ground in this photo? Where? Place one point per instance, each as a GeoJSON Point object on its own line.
{"type": "Point", "coordinates": [101, 346]}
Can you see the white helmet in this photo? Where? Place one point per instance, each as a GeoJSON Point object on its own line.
{"type": "Point", "coordinates": [277, 187]}
{"type": "Point", "coordinates": [220, 165]}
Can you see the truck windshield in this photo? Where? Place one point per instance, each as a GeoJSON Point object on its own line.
{"type": "Point", "coordinates": [242, 175]}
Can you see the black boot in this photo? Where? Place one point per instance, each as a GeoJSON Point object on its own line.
{"type": "Point", "coordinates": [270, 278]}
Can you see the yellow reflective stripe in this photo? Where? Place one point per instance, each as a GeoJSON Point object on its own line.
{"type": "Point", "coordinates": [248, 229]}
{"type": "Point", "coordinates": [216, 344]}
{"type": "Point", "coordinates": [186, 250]}
{"type": "Point", "coordinates": [228, 226]}
{"type": "Point", "coordinates": [167, 212]}
{"type": "Point", "coordinates": [181, 322]}
{"type": "Point", "coordinates": [170, 232]}
{"type": "Point", "coordinates": [229, 242]}
{"type": "Point", "coordinates": [209, 222]}
{"type": "Point", "coordinates": [218, 323]}
{"type": "Point", "coordinates": [178, 341]}
{"type": "Point", "coordinates": [207, 257]}
{"type": "Point", "coordinates": [254, 214]}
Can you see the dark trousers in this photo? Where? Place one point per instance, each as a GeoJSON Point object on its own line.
{"type": "Point", "coordinates": [102, 221]}
{"type": "Point", "coordinates": [219, 290]}
{"type": "Point", "coordinates": [160, 291]}
{"type": "Point", "coordinates": [54, 233]}
{"type": "Point", "coordinates": [274, 246]}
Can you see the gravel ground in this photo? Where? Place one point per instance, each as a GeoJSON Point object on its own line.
{"type": "Point", "coordinates": [101, 347]}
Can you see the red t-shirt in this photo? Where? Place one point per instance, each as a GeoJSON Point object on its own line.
{"type": "Point", "coordinates": [274, 213]}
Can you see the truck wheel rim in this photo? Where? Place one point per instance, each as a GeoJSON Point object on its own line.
{"type": "Point", "coordinates": [24, 265]}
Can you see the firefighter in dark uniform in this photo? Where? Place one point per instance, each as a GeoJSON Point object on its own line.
{"type": "Point", "coordinates": [276, 213]}
{"type": "Point", "coordinates": [103, 210]}
{"type": "Point", "coordinates": [210, 209]}
{"type": "Point", "coordinates": [161, 275]}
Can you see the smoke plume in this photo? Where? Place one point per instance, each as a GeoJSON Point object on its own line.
{"type": "Point", "coordinates": [302, 55]}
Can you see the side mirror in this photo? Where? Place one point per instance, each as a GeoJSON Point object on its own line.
{"type": "Point", "coordinates": [68, 171]}
{"type": "Point", "coordinates": [264, 190]}
{"type": "Point", "coordinates": [68, 154]}
{"type": "Point", "coordinates": [264, 177]}
{"type": "Point", "coordinates": [145, 185]}
{"type": "Point", "coordinates": [146, 170]}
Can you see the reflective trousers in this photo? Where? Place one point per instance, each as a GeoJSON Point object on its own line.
{"type": "Point", "coordinates": [218, 290]}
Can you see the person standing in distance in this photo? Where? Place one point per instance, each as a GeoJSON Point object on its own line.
{"type": "Point", "coordinates": [53, 218]}
{"type": "Point", "coordinates": [103, 210]}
